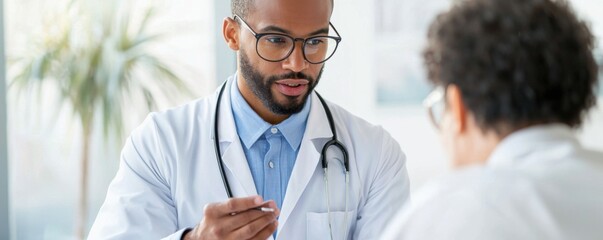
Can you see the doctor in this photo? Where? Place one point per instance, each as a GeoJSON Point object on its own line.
{"type": "Point", "coordinates": [514, 79]}
{"type": "Point", "coordinates": [258, 171]}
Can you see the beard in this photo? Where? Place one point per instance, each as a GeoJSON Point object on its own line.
{"type": "Point", "coordinates": [261, 86]}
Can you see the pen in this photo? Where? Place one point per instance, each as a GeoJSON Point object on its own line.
{"type": "Point", "coordinates": [263, 209]}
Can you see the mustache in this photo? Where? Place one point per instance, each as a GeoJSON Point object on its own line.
{"type": "Point", "coordinates": [291, 75]}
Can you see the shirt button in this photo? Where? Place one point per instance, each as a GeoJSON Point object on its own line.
{"type": "Point", "coordinates": [274, 130]}
{"type": "Point", "coordinates": [271, 164]}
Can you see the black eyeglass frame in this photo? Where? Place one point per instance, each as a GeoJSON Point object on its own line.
{"type": "Point", "coordinates": [303, 40]}
{"type": "Point", "coordinates": [436, 98]}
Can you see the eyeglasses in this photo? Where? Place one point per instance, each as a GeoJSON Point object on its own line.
{"type": "Point", "coordinates": [276, 47]}
{"type": "Point", "coordinates": [434, 102]}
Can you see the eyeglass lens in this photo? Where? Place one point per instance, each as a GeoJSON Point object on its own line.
{"type": "Point", "coordinates": [276, 47]}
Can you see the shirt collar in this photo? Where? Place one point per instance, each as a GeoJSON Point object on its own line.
{"type": "Point", "coordinates": [293, 128]}
{"type": "Point", "coordinates": [517, 148]}
{"type": "Point", "coordinates": [250, 126]}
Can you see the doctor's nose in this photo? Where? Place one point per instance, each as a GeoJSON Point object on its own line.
{"type": "Point", "coordinates": [296, 61]}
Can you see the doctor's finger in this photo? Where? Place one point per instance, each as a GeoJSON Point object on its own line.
{"type": "Point", "coordinates": [232, 205]}
{"type": "Point", "coordinates": [260, 228]}
{"type": "Point", "coordinates": [272, 204]}
{"type": "Point", "coordinates": [239, 220]}
{"type": "Point", "coordinates": [266, 232]}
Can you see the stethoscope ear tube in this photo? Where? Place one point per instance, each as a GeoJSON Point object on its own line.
{"type": "Point", "coordinates": [216, 139]}
{"type": "Point", "coordinates": [333, 141]}
{"type": "Point", "coordinates": [325, 148]}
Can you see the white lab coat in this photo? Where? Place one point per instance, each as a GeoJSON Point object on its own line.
{"type": "Point", "coordinates": [168, 172]}
{"type": "Point", "coordinates": [539, 183]}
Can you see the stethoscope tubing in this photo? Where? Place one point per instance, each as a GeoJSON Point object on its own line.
{"type": "Point", "coordinates": [332, 142]}
{"type": "Point", "coordinates": [217, 143]}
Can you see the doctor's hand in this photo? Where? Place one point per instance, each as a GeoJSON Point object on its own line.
{"type": "Point", "coordinates": [236, 218]}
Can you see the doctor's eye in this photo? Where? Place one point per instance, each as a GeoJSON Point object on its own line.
{"type": "Point", "coordinates": [276, 40]}
{"type": "Point", "coordinates": [315, 41]}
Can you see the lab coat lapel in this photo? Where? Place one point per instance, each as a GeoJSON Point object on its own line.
{"type": "Point", "coordinates": [307, 159]}
{"type": "Point", "coordinates": [235, 162]}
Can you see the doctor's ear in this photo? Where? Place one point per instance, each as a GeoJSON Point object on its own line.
{"type": "Point", "coordinates": [230, 31]}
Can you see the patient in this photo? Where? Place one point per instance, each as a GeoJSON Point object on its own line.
{"type": "Point", "coordinates": [513, 81]}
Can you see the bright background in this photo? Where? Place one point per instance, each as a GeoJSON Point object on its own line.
{"type": "Point", "coordinates": [376, 74]}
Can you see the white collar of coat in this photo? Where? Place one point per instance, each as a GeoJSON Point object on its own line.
{"type": "Point", "coordinates": [534, 145]}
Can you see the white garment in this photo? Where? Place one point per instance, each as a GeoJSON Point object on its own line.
{"type": "Point", "coordinates": [539, 183]}
{"type": "Point", "coordinates": [168, 172]}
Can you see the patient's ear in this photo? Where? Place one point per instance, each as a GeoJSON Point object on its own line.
{"type": "Point", "coordinates": [456, 108]}
{"type": "Point", "coordinates": [230, 31]}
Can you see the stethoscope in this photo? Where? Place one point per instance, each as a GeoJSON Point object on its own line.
{"type": "Point", "coordinates": [333, 142]}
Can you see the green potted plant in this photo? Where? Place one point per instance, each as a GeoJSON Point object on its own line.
{"type": "Point", "coordinates": [94, 59]}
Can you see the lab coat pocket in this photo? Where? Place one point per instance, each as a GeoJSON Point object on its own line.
{"type": "Point", "coordinates": [317, 225]}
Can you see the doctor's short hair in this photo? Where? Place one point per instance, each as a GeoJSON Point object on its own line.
{"type": "Point", "coordinates": [516, 62]}
{"type": "Point", "coordinates": [243, 7]}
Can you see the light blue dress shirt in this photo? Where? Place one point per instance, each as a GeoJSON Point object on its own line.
{"type": "Point", "coordinates": [271, 150]}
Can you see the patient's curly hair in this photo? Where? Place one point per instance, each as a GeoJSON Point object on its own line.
{"type": "Point", "coordinates": [516, 62]}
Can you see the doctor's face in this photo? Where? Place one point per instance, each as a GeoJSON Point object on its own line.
{"type": "Point", "coordinates": [281, 86]}
{"type": "Point", "coordinates": [273, 91]}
